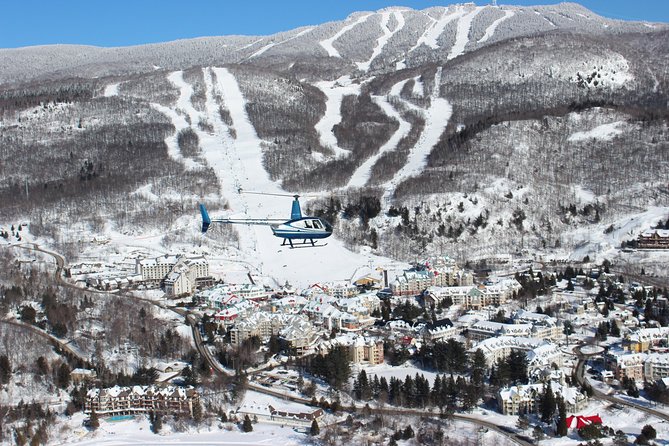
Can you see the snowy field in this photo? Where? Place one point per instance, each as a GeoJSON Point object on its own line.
{"type": "Point", "coordinates": [137, 431]}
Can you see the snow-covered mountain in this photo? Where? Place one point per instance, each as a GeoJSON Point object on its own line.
{"type": "Point", "coordinates": [462, 129]}
{"type": "Point", "coordinates": [368, 41]}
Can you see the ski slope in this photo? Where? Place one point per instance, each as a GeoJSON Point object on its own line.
{"type": "Point", "coordinates": [462, 33]}
{"type": "Point", "coordinates": [383, 40]}
{"type": "Point", "coordinates": [273, 44]}
{"type": "Point", "coordinates": [436, 117]}
{"type": "Point", "coordinates": [362, 173]}
{"type": "Point", "coordinates": [334, 92]}
{"type": "Point", "coordinates": [436, 29]}
{"type": "Point", "coordinates": [490, 31]}
{"type": "Point", "coordinates": [235, 153]}
{"type": "Point", "coordinates": [327, 44]}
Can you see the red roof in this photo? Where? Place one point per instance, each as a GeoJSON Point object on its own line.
{"type": "Point", "coordinates": [579, 421]}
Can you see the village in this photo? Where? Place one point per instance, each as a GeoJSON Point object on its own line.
{"type": "Point", "coordinates": [542, 346]}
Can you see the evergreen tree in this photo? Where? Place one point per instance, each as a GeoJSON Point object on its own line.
{"type": "Point", "coordinates": [561, 427]}
{"type": "Point", "coordinates": [362, 388]}
{"type": "Point", "coordinates": [547, 404]}
{"type": "Point", "coordinates": [5, 369]}
{"type": "Point", "coordinates": [156, 421]}
{"type": "Point", "coordinates": [517, 367]}
{"type": "Point", "coordinates": [198, 413]}
{"type": "Point", "coordinates": [42, 366]}
{"type": "Point", "coordinates": [247, 426]}
{"type": "Point", "coordinates": [567, 329]}
{"type": "Point", "coordinates": [470, 396]}
{"type": "Point", "coordinates": [63, 376]}
{"type": "Point", "coordinates": [335, 367]}
{"type": "Point", "coordinates": [649, 432]}
{"type": "Point", "coordinates": [94, 422]}
{"type": "Point", "coordinates": [189, 376]}
{"type": "Point", "coordinates": [315, 430]}
{"type": "Point", "coordinates": [478, 367]}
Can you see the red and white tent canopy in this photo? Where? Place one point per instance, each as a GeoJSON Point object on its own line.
{"type": "Point", "coordinates": [579, 421]}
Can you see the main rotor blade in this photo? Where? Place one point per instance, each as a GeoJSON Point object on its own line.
{"type": "Point", "coordinates": [249, 221]}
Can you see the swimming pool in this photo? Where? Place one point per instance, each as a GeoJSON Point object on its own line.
{"type": "Point", "coordinates": [120, 418]}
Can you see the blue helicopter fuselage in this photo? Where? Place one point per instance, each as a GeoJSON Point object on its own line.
{"type": "Point", "coordinates": [305, 228]}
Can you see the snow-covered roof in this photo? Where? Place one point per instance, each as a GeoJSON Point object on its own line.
{"type": "Point", "coordinates": [571, 395]}
{"type": "Point", "coordinates": [664, 233]}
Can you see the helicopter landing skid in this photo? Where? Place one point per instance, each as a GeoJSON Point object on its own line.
{"type": "Point", "coordinates": [304, 244]}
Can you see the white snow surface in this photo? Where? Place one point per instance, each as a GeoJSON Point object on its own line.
{"type": "Point", "coordinates": [334, 92]}
{"type": "Point", "coordinates": [183, 106]}
{"type": "Point", "coordinates": [137, 431]}
{"type": "Point", "coordinates": [383, 40]}
{"type": "Point", "coordinates": [273, 44]}
{"type": "Point", "coordinates": [462, 33]}
{"type": "Point", "coordinates": [237, 162]}
{"type": "Point", "coordinates": [490, 31]}
{"type": "Point", "coordinates": [111, 90]}
{"type": "Point", "coordinates": [437, 116]}
{"type": "Point", "coordinates": [433, 32]}
{"type": "Point", "coordinates": [327, 44]}
{"type": "Point", "coordinates": [604, 132]}
{"type": "Point", "coordinates": [362, 173]}
{"type": "Point", "coordinates": [418, 87]}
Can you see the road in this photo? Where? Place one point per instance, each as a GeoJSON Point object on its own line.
{"type": "Point", "coordinates": [193, 321]}
{"type": "Point", "coordinates": [597, 394]}
{"type": "Point", "coordinates": [59, 343]}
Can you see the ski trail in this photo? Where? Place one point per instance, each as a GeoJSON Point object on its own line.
{"type": "Point", "coordinates": [383, 40]}
{"type": "Point", "coordinates": [111, 90]}
{"type": "Point", "coordinates": [273, 44]}
{"type": "Point", "coordinates": [247, 145]}
{"type": "Point", "coordinates": [327, 43]}
{"type": "Point", "coordinates": [540, 14]}
{"type": "Point", "coordinates": [418, 87]}
{"type": "Point", "coordinates": [433, 32]}
{"type": "Point", "coordinates": [436, 119]}
{"type": "Point", "coordinates": [178, 120]}
{"type": "Point", "coordinates": [493, 26]}
{"type": "Point", "coordinates": [248, 45]}
{"type": "Point", "coordinates": [361, 176]}
{"type": "Point", "coordinates": [462, 33]}
{"type": "Point", "coordinates": [334, 92]}
{"type": "Point", "coordinates": [220, 152]}
{"type": "Point", "coordinates": [238, 163]}
{"type": "Point", "coordinates": [397, 88]}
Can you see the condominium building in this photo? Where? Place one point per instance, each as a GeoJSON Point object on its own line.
{"type": "Point", "coordinates": [141, 399]}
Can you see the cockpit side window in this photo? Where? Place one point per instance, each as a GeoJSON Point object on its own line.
{"type": "Point", "coordinates": [317, 224]}
{"type": "Point", "coordinates": [307, 224]}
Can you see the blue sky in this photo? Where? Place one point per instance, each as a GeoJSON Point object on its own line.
{"type": "Point", "coordinates": [125, 22]}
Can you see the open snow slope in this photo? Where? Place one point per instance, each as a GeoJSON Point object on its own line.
{"type": "Point", "coordinates": [462, 33]}
{"type": "Point", "coordinates": [362, 173]}
{"type": "Point", "coordinates": [383, 40]}
{"type": "Point", "coordinates": [432, 34]}
{"type": "Point", "coordinates": [334, 92]}
{"type": "Point", "coordinates": [490, 31]}
{"type": "Point", "coordinates": [327, 44]}
{"type": "Point", "coordinates": [235, 153]}
{"type": "Point", "coordinates": [437, 116]}
{"type": "Point", "coordinates": [273, 44]}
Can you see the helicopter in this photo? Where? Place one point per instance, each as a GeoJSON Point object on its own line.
{"type": "Point", "coordinates": [298, 227]}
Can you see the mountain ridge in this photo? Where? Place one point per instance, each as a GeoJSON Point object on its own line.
{"type": "Point", "coordinates": [439, 137]}
{"type": "Point", "coordinates": [58, 61]}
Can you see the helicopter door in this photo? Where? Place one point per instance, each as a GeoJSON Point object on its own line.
{"type": "Point", "coordinates": [307, 224]}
